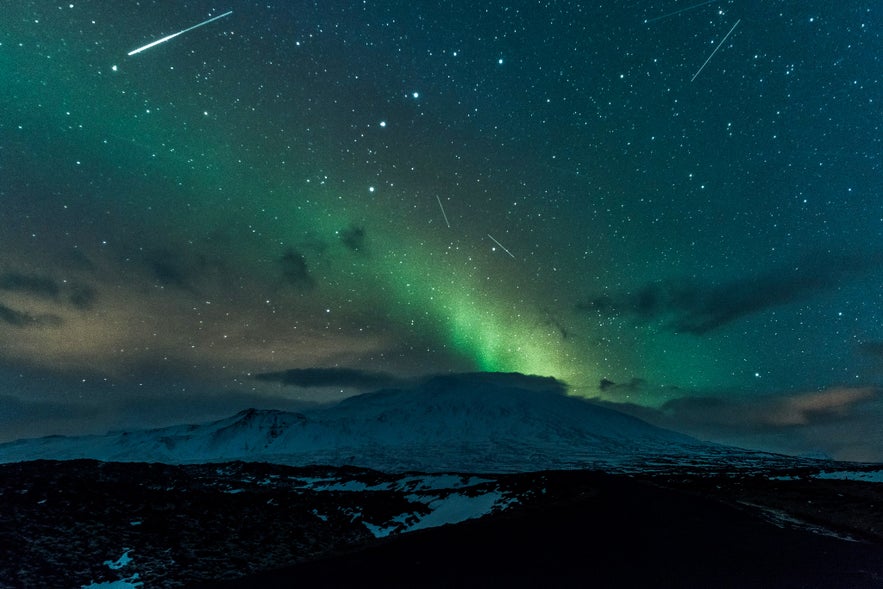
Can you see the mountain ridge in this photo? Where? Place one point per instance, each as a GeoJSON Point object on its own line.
{"type": "Point", "coordinates": [466, 422]}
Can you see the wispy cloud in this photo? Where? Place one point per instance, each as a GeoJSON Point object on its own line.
{"type": "Point", "coordinates": [354, 238]}
{"type": "Point", "coordinates": [331, 377]}
{"type": "Point", "coordinates": [38, 286]}
{"type": "Point", "coordinates": [21, 319]}
{"type": "Point", "coordinates": [874, 349]}
{"type": "Point", "coordinates": [32, 284]}
{"type": "Point", "coordinates": [832, 419]}
{"type": "Point", "coordinates": [295, 271]}
{"type": "Point", "coordinates": [687, 306]}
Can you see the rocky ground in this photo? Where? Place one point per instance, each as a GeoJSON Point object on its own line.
{"type": "Point", "coordinates": [612, 531]}
{"type": "Point", "coordinates": [75, 523]}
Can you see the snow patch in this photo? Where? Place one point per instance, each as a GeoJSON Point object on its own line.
{"type": "Point", "coordinates": [349, 486]}
{"type": "Point", "coordinates": [130, 583]}
{"type": "Point", "coordinates": [455, 508]}
{"type": "Point", "coordinates": [122, 562]}
{"type": "Point", "coordinates": [380, 531]}
{"type": "Point", "coordinates": [437, 482]}
{"type": "Point", "coordinates": [119, 563]}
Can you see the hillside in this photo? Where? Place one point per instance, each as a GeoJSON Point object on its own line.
{"type": "Point", "coordinates": [477, 422]}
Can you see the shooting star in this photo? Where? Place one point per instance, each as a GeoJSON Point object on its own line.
{"type": "Point", "coordinates": [172, 36]}
{"type": "Point", "coordinates": [501, 246]}
{"type": "Point", "coordinates": [443, 211]}
{"type": "Point", "coordinates": [668, 14]}
{"type": "Point", "coordinates": [715, 50]}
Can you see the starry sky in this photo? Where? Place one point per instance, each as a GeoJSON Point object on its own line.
{"type": "Point", "coordinates": [673, 207]}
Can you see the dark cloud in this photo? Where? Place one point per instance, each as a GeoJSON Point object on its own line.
{"type": "Point", "coordinates": [635, 385]}
{"type": "Point", "coordinates": [15, 318]}
{"type": "Point", "coordinates": [872, 349]}
{"type": "Point", "coordinates": [295, 270]}
{"type": "Point", "coordinates": [517, 380]}
{"type": "Point", "coordinates": [77, 260]}
{"type": "Point", "coordinates": [552, 321]}
{"type": "Point", "coordinates": [750, 414]}
{"type": "Point", "coordinates": [331, 377]}
{"type": "Point", "coordinates": [168, 269]}
{"type": "Point", "coordinates": [32, 284]}
{"type": "Point", "coordinates": [82, 296]}
{"type": "Point", "coordinates": [21, 319]}
{"type": "Point", "coordinates": [353, 238]}
{"type": "Point", "coordinates": [840, 422]}
{"type": "Point", "coordinates": [79, 295]}
{"type": "Point", "coordinates": [689, 307]}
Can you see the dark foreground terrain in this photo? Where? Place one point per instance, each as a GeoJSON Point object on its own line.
{"type": "Point", "coordinates": [613, 533]}
{"type": "Point", "coordinates": [70, 524]}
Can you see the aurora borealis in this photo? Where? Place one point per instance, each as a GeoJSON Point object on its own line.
{"type": "Point", "coordinates": [320, 186]}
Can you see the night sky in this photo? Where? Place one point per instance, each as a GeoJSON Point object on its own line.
{"type": "Point", "coordinates": [303, 200]}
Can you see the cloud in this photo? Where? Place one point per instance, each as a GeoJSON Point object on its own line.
{"type": "Point", "coordinates": [78, 295]}
{"type": "Point", "coordinates": [295, 271]}
{"type": "Point", "coordinates": [873, 349]}
{"type": "Point", "coordinates": [168, 269]}
{"type": "Point", "coordinates": [31, 284]}
{"type": "Point", "coordinates": [82, 296]}
{"type": "Point", "coordinates": [370, 380]}
{"type": "Point", "coordinates": [689, 307]}
{"type": "Point", "coordinates": [798, 409]}
{"type": "Point", "coordinates": [21, 319]}
{"type": "Point", "coordinates": [331, 377]}
{"type": "Point", "coordinates": [353, 238]}
{"type": "Point", "coordinates": [635, 385]}
{"type": "Point", "coordinates": [840, 421]}
{"type": "Point", "coordinates": [507, 380]}
{"type": "Point", "coordinates": [552, 321]}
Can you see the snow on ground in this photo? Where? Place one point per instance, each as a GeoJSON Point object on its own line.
{"type": "Point", "coordinates": [119, 563]}
{"type": "Point", "coordinates": [455, 508]}
{"type": "Point", "coordinates": [349, 486]}
{"type": "Point", "coordinates": [381, 531]}
{"type": "Point", "coordinates": [452, 508]}
{"type": "Point", "coordinates": [469, 423]}
{"type": "Point", "coordinates": [412, 483]}
{"type": "Point", "coordinates": [435, 482]}
{"type": "Point", "coordinates": [867, 476]}
{"type": "Point", "coordinates": [122, 562]}
{"type": "Point", "coordinates": [130, 583]}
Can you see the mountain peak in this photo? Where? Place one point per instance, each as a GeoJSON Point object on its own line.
{"type": "Point", "coordinates": [467, 422]}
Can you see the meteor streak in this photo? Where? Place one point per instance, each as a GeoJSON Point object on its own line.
{"type": "Point", "coordinates": [715, 50]}
{"type": "Point", "coordinates": [448, 223]}
{"type": "Point", "coordinates": [172, 36]}
{"type": "Point", "coordinates": [501, 246]}
{"type": "Point", "coordinates": [668, 14]}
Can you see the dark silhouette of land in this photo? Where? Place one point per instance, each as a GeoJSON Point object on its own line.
{"type": "Point", "coordinates": [596, 530]}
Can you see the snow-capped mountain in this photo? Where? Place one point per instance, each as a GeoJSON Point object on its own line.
{"type": "Point", "coordinates": [475, 422]}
